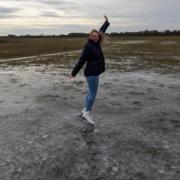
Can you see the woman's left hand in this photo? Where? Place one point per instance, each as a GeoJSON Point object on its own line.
{"type": "Point", "coordinates": [106, 18]}
{"type": "Point", "coordinates": [71, 77]}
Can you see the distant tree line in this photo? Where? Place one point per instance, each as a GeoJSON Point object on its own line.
{"type": "Point", "coordinates": [139, 33]}
{"type": "Point", "coordinates": [42, 35]}
{"type": "Point", "coordinates": [147, 33]}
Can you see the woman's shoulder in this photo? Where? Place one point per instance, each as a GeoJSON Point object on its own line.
{"type": "Point", "coordinates": [88, 45]}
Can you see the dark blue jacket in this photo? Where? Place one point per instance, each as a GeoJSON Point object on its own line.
{"type": "Point", "coordinates": [93, 54]}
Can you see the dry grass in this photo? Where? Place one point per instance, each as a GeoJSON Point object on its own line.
{"type": "Point", "coordinates": [20, 47]}
{"type": "Point", "coordinates": [121, 53]}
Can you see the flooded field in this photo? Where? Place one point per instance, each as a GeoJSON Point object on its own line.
{"type": "Point", "coordinates": [137, 111]}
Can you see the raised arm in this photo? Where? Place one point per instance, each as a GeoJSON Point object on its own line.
{"type": "Point", "coordinates": [104, 25]}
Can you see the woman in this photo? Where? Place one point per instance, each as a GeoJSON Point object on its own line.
{"type": "Point", "coordinates": [93, 55]}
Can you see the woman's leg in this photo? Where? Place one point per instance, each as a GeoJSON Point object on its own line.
{"type": "Point", "coordinates": [93, 82]}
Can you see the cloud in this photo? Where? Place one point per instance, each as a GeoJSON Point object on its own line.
{"type": "Point", "coordinates": [54, 2]}
{"type": "Point", "coordinates": [49, 14]}
{"type": "Point", "coordinates": [7, 11]}
{"type": "Point", "coordinates": [58, 16]}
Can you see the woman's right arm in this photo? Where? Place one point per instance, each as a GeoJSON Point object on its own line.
{"type": "Point", "coordinates": [81, 61]}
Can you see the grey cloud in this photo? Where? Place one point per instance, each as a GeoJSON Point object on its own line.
{"type": "Point", "coordinates": [8, 12]}
{"type": "Point", "coordinates": [49, 14]}
{"type": "Point", "coordinates": [2, 16]}
{"type": "Point", "coordinates": [5, 10]}
{"type": "Point", "coordinates": [50, 2]}
{"type": "Point", "coordinates": [54, 2]}
{"type": "Point", "coordinates": [125, 15]}
{"type": "Point", "coordinates": [56, 15]}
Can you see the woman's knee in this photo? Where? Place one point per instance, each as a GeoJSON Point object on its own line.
{"type": "Point", "coordinates": [91, 96]}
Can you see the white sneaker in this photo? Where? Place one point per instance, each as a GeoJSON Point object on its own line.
{"type": "Point", "coordinates": [88, 116]}
{"type": "Point", "coordinates": [82, 111]}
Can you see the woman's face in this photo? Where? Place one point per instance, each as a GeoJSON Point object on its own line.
{"type": "Point", "coordinates": [95, 37]}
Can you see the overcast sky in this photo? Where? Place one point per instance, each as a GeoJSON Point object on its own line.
{"type": "Point", "coordinates": [64, 16]}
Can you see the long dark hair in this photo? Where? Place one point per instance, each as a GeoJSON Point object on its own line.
{"type": "Point", "coordinates": [100, 35]}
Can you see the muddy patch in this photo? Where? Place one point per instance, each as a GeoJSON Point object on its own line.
{"type": "Point", "coordinates": [136, 115]}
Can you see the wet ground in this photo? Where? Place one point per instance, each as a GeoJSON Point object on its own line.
{"type": "Point", "coordinates": [137, 117]}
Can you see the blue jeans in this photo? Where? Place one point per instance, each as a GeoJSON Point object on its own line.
{"type": "Point", "coordinates": [93, 82]}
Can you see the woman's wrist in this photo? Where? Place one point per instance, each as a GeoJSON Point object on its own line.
{"type": "Point", "coordinates": [106, 18]}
